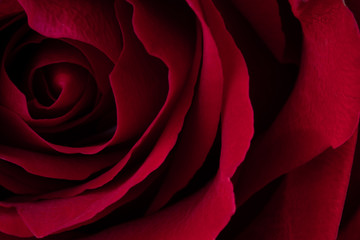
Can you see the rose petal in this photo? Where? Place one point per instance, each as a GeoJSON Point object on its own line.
{"type": "Point", "coordinates": [351, 215]}
{"type": "Point", "coordinates": [130, 206]}
{"type": "Point", "coordinates": [271, 82]}
{"type": "Point", "coordinates": [12, 224]}
{"type": "Point", "coordinates": [58, 54]}
{"type": "Point", "coordinates": [41, 163]}
{"type": "Point", "coordinates": [189, 219]}
{"type": "Point", "coordinates": [90, 22]}
{"type": "Point", "coordinates": [100, 64]}
{"type": "Point", "coordinates": [310, 200]}
{"type": "Point", "coordinates": [200, 126]}
{"type": "Point", "coordinates": [10, 95]}
{"type": "Point", "coordinates": [237, 115]}
{"type": "Point", "coordinates": [139, 84]}
{"type": "Point", "coordinates": [72, 81]}
{"type": "Point", "coordinates": [180, 106]}
{"type": "Point", "coordinates": [227, 65]}
{"type": "Point", "coordinates": [323, 109]}
{"type": "Point", "coordinates": [182, 79]}
{"type": "Point", "coordinates": [68, 213]}
{"type": "Point", "coordinates": [351, 231]}
{"type": "Point", "coordinates": [18, 181]}
{"type": "Point", "coordinates": [264, 17]}
{"type": "Point", "coordinates": [9, 7]}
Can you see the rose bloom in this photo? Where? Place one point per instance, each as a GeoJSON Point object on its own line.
{"type": "Point", "coordinates": [181, 119]}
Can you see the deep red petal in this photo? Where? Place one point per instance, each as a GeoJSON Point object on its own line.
{"type": "Point", "coordinates": [188, 219]}
{"type": "Point", "coordinates": [264, 17]}
{"type": "Point", "coordinates": [139, 84]}
{"type": "Point", "coordinates": [20, 182]}
{"type": "Point", "coordinates": [310, 200]}
{"type": "Point", "coordinates": [83, 207]}
{"type": "Point", "coordinates": [9, 7]}
{"type": "Point", "coordinates": [200, 125]}
{"type": "Point", "coordinates": [323, 110]}
{"type": "Point", "coordinates": [90, 22]}
{"type": "Point", "coordinates": [12, 224]}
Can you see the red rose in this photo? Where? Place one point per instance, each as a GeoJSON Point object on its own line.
{"type": "Point", "coordinates": [133, 119]}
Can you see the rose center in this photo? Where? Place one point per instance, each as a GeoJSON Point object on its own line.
{"type": "Point", "coordinates": [55, 89]}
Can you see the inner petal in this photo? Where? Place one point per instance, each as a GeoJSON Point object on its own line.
{"type": "Point", "coordinates": [56, 88]}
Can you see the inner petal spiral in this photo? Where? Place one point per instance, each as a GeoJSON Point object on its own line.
{"type": "Point", "coordinates": [68, 102]}
{"type": "Point", "coordinates": [54, 90]}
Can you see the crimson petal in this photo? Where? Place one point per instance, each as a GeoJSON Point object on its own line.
{"type": "Point", "coordinates": [323, 110]}
{"type": "Point", "coordinates": [81, 20]}
{"type": "Point", "coordinates": [310, 200]}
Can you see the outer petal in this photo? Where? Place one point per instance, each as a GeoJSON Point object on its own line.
{"type": "Point", "coordinates": [201, 122]}
{"type": "Point", "coordinates": [310, 200]}
{"type": "Point", "coordinates": [193, 218]}
{"type": "Point", "coordinates": [173, 216]}
{"type": "Point", "coordinates": [9, 7]}
{"type": "Point", "coordinates": [236, 116]}
{"type": "Point", "coordinates": [350, 222]}
{"type": "Point", "coordinates": [324, 107]}
{"type": "Point", "coordinates": [264, 17]}
{"type": "Point", "coordinates": [11, 223]}
{"type": "Point", "coordinates": [270, 81]}
{"type": "Point", "coordinates": [18, 181]}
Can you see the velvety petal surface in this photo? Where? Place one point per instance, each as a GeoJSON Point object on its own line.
{"type": "Point", "coordinates": [37, 216]}
{"type": "Point", "coordinates": [189, 219]}
{"type": "Point", "coordinates": [323, 109]}
{"type": "Point", "coordinates": [9, 7]}
{"type": "Point", "coordinates": [309, 202]}
{"type": "Point", "coordinates": [90, 22]}
{"type": "Point", "coordinates": [139, 84]}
